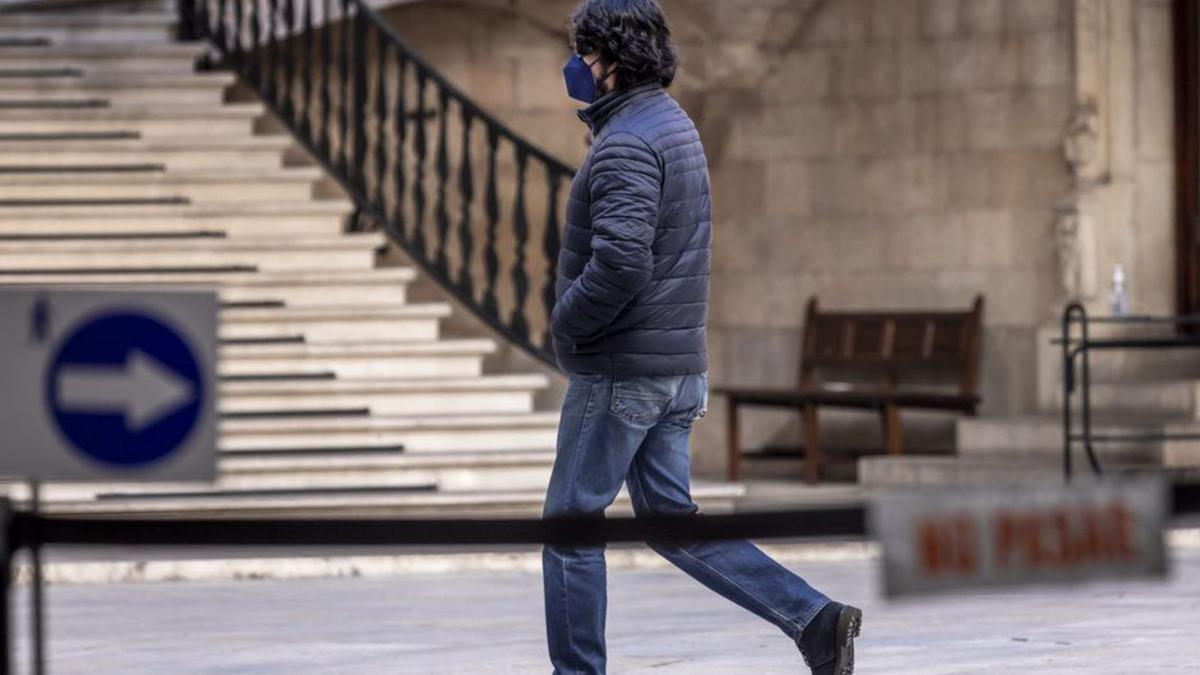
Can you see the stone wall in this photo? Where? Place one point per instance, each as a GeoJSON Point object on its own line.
{"type": "Point", "coordinates": [876, 153]}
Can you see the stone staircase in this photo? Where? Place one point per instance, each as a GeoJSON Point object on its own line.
{"type": "Point", "coordinates": [1132, 393]}
{"type": "Point", "coordinates": [120, 164]}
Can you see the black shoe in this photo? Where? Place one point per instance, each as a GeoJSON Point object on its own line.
{"type": "Point", "coordinates": [848, 625]}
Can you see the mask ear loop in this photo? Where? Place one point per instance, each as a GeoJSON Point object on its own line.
{"type": "Point", "coordinates": [603, 76]}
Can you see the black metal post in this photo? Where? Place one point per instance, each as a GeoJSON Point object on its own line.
{"type": "Point", "coordinates": [36, 587]}
{"type": "Point", "coordinates": [1086, 413]}
{"type": "Point", "coordinates": [6, 551]}
{"type": "Point", "coordinates": [1068, 388]}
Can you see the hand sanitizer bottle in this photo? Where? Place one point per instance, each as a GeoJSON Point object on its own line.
{"type": "Point", "coordinates": [1118, 298]}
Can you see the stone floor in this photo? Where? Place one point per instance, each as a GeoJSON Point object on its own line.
{"type": "Point", "coordinates": [661, 623]}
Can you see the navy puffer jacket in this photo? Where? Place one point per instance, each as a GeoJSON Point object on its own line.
{"type": "Point", "coordinates": [633, 271]}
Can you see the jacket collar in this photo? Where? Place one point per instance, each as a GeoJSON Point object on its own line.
{"type": "Point", "coordinates": [598, 113]}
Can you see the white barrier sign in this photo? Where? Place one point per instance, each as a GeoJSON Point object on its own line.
{"type": "Point", "coordinates": [941, 541]}
{"type": "Point", "coordinates": [108, 384]}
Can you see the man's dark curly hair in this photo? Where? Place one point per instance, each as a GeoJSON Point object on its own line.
{"type": "Point", "coordinates": [630, 35]}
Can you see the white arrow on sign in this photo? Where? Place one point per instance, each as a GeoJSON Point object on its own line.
{"type": "Point", "coordinates": [143, 388]}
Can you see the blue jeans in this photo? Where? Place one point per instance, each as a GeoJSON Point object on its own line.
{"type": "Point", "coordinates": [634, 430]}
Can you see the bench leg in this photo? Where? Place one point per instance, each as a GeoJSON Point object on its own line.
{"type": "Point", "coordinates": [893, 435]}
{"type": "Point", "coordinates": [735, 448]}
{"type": "Point", "coordinates": [814, 459]}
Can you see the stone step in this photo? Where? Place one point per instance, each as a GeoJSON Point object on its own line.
{"type": "Point", "coordinates": [338, 324]}
{"type": "Point", "coordinates": [244, 284]}
{"type": "Point", "coordinates": [1159, 398]}
{"type": "Point", "coordinates": [1034, 436]}
{"type": "Point", "coordinates": [400, 397]}
{"type": "Point", "coordinates": [290, 184]}
{"type": "Point", "coordinates": [88, 20]}
{"type": "Point", "coordinates": [909, 472]}
{"type": "Point", "coordinates": [712, 498]}
{"type": "Point", "coordinates": [199, 89]}
{"type": "Point", "coordinates": [165, 57]}
{"type": "Point", "coordinates": [450, 472]}
{"type": "Point", "coordinates": [199, 115]}
{"type": "Point", "coordinates": [345, 252]}
{"type": "Point", "coordinates": [226, 121]}
{"type": "Point", "coordinates": [434, 433]}
{"type": "Point", "coordinates": [243, 220]}
{"type": "Point", "coordinates": [178, 153]}
{"type": "Point", "coordinates": [443, 358]}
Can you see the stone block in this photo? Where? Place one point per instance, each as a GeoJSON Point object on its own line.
{"type": "Point", "coordinates": [834, 188]}
{"type": "Point", "coordinates": [1031, 15]}
{"type": "Point", "coordinates": [738, 298]}
{"type": "Point", "coordinates": [982, 17]}
{"type": "Point", "coordinates": [869, 71]}
{"type": "Point", "coordinates": [995, 62]}
{"type": "Point", "coordinates": [739, 189]}
{"type": "Point", "coordinates": [922, 180]}
{"type": "Point", "coordinates": [538, 84]}
{"type": "Point", "coordinates": [927, 241]}
{"type": "Point", "coordinates": [988, 238]}
{"type": "Point", "coordinates": [855, 244]}
{"type": "Point", "coordinates": [989, 120]}
{"type": "Point", "coordinates": [784, 131]}
{"type": "Point", "coordinates": [800, 76]}
{"type": "Point", "coordinates": [1154, 81]}
{"type": "Point", "coordinates": [787, 189]}
{"type": "Point", "coordinates": [799, 244]}
{"type": "Point", "coordinates": [1047, 59]}
{"type": "Point", "coordinates": [894, 20]}
{"type": "Point", "coordinates": [968, 181]}
{"type": "Point", "coordinates": [919, 68]}
{"type": "Point", "coordinates": [955, 65]}
{"type": "Point", "coordinates": [1037, 117]}
{"type": "Point", "coordinates": [740, 244]}
{"type": "Point", "coordinates": [940, 18]}
{"type": "Point", "coordinates": [1152, 283]}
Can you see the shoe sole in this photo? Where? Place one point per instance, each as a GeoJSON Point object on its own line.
{"type": "Point", "coordinates": [849, 627]}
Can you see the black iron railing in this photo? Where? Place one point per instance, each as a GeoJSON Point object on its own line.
{"type": "Point", "coordinates": [472, 203]}
{"type": "Point", "coordinates": [1077, 376]}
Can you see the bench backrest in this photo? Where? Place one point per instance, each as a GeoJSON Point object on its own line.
{"type": "Point", "coordinates": [894, 349]}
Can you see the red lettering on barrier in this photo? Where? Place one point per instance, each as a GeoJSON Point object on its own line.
{"type": "Point", "coordinates": [947, 545]}
{"type": "Point", "coordinates": [1064, 537]}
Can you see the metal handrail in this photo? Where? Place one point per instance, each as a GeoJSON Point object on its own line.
{"type": "Point", "coordinates": [447, 181]}
{"type": "Point", "coordinates": [1079, 349]}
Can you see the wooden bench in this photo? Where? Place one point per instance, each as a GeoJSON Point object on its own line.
{"type": "Point", "coordinates": [880, 361]}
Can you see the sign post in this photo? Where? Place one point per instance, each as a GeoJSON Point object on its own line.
{"type": "Point", "coordinates": [951, 540]}
{"type": "Point", "coordinates": [101, 384]}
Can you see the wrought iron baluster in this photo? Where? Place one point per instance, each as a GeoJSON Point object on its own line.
{"type": "Point", "coordinates": [347, 93]}
{"type": "Point", "coordinates": [491, 260]}
{"type": "Point", "coordinates": [288, 105]}
{"type": "Point", "coordinates": [360, 113]}
{"type": "Point", "coordinates": [220, 33]}
{"type": "Point", "coordinates": [519, 323]}
{"type": "Point", "coordinates": [305, 85]}
{"type": "Point", "coordinates": [275, 48]}
{"type": "Point", "coordinates": [323, 131]}
{"type": "Point", "coordinates": [442, 213]}
{"type": "Point", "coordinates": [381, 64]}
{"type": "Point", "coordinates": [550, 246]}
{"type": "Point", "coordinates": [238, 20]}
{"type": "Point", "coordinates": [466, 190]}
{"type": "Point", "coordinates": [255, 46]}
{"type": "Point", "coordinates": [400, 112]}
{"type": "Point", "coordinates": [271, 78]}
{"type": "Point", "coordinates": [418, 186]}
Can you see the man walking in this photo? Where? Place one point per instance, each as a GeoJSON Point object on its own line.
{"type": "Point", "coordinates": [629, 328]}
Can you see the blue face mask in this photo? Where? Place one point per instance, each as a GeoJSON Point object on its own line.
{"type": "Point", "coordinates": [581, 85]}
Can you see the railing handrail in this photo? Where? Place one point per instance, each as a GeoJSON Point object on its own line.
{"type": "Point", "coordinates": [457, 93]}
{"type": "Point", "coordinates": [414, 172]}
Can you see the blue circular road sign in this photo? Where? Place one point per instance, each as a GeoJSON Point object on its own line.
{"type": "Point", "coordinates": [124, 388]}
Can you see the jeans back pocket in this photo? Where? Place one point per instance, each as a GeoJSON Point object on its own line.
{"type": "Point", "coordinates": [642, 400]}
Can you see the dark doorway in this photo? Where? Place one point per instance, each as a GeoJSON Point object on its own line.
{"type": "Point", "coordinates": [1187, 155]}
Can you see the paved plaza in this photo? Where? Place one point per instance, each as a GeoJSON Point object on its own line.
{"type": "Point", "coordinates": [661, 623]}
